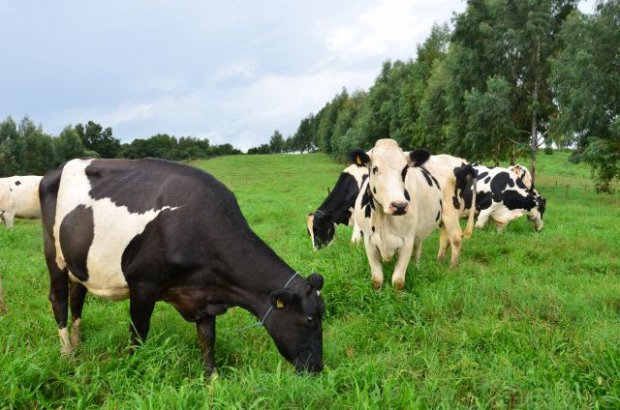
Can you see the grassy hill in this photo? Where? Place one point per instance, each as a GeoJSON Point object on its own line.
{"type": "Point", "coordinates": [526, 321]}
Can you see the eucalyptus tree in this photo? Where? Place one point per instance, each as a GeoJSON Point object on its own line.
{"type": "Point", "coordinates": [586, 79]}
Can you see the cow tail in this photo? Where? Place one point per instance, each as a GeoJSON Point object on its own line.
{"type": "Point", "coordinates": [469, 229]}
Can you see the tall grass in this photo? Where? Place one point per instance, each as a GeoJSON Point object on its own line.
{"type": "Point", "coordinates": [527, 320]}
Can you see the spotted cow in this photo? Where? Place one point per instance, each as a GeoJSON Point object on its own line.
{"type": "Point", "coordinates": [453, 175]}
{"type": "Point", "coordinates": [151, 230]}
{"type": "Point", "coordinates": [19, 198]}
{"type": "Point", "coordinates": [337, 207]}
{"type": "Point", "coordinates": [503, 196]}
{"type": "Point", "coordinates": [399, 205]}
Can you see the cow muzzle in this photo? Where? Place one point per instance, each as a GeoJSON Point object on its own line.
{"type": "Point", "coordinates": [399, 207]}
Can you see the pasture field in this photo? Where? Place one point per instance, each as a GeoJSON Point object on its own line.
{"type": "Point", "coordinates": [526, 321]}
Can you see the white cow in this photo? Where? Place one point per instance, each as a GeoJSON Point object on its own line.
{"type": "Point", "coordinates": [398, 206]}
{"type": "Point", "coordinates": [19, 197]}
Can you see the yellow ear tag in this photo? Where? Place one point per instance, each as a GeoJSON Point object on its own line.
{"type": "Point", "coordinates": [358, 161]}
{"type": "Point", "coordinates": [279, 303]}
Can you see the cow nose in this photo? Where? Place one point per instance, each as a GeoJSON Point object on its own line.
{"type": "Point", "coordinates": [400, 207]}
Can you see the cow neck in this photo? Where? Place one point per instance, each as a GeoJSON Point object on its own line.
{"type": "Point", "coordinates": [258, 271]}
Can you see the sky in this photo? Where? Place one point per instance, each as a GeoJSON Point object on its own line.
{"type": "Point", "coordinates": [231, 71]}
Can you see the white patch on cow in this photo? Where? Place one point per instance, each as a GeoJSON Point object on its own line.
{"type": "Point", "coordinates": [358, 172]}
{"type": "Point", "coordinates": [115, 227]}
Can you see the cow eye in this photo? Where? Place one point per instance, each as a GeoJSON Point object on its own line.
{"type": "Point", "coordinates": [375, 170]}
{"type": "Point", "coordinates": [310, 320]}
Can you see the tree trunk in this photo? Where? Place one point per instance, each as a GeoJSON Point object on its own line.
{"type": "Point", "coordinates": [2, 305]}
{"type": "Point", "coordinates": [534, 128]}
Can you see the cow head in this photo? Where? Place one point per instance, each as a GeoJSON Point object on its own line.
{"type": "Point", "coordinates": [387, 166]}
{"type": "Point", "coordinates": [296, 321]}
{"type": "Point", "coordinates": [322, 228]}
{"type": "Point", "coordinates": [536, 214]}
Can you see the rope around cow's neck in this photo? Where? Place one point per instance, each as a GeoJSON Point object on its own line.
{"type": "Point", "coordinates": [262, 321]}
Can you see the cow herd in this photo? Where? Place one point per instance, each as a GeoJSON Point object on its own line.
{"type": "Point", "coordinates": [151, 230]}
{"type": "Point", "coordinates": [397, 199]}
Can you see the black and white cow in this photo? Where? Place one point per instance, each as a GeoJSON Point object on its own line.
{"type": "Point", "coordinates": [19, 198]}
{"type": "Point", "coordinates": [398, 207]}
{"type": "Point", "coordinates": [337, 207]}
{"type": "Point", "coordinates": [503, 196]}
{"type": "Point", "coordinates": [151, 230]}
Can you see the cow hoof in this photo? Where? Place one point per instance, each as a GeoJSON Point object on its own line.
{"type": "Point", "coordinates": [376, 284]}
{"type": "Point", "coordinates": [399, 284]}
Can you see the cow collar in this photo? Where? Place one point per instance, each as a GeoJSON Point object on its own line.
{"type": "Point", "coordinates": [264, 319]}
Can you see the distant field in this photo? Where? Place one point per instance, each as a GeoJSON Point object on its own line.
{"type": "Point", "coordinates": [526, 321]}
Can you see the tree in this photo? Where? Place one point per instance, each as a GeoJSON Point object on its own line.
{"type": "Point", "coordinates": [99, 140]}
{"type": "Point", "coordinates": [276, 143]}
{"type": "Point", "coordinates": [586, 80]}
{"type": "Point", "coordinates": [69, 144]}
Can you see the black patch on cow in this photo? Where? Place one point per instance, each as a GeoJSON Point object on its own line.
{"type": "Point", "coordinates": [18, 183]}
{"type": "Point", "coordinates": [515, 200]}
{"type": "Point", "coordinates": [403, 173]}
{"type": "Point", "coordinates": [483, 200]}
{"type": "Point", "coordinates": [366, 198]}
{"type": "Point", "coordinates": [542, 204]}
{"type": "Point", "coordinates": [373, 228]}
{"type": "Point", "coordinates": [441, 203]}
{"type": "Point", "coordinates": [455, 202]}
{"type": "Point", "coordinates": [500, 183]}
{"type": "Point", "coordinates": [374, 190]}
{"type": "Point", "coordinates": [407, 197]}
{"type": "Point", "coordinates": [482, 175]}
{"type": "Point", "coordinates": [520, 184]}
{"type": "Point", "coordinates": [427, 176]}
{"type": "Point", "coordinates": [77, 231]}
{"type": "Point", "coordinates": [438, 217]}
{"type": "Point", "coordinates": [367, 211]}
{"type": "Point", "coordinates": [487, 179]}
{"type": "Point", "coordinates": [174, 185]}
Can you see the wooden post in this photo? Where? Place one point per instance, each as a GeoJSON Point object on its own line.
{"type": "Point", "coordinates": [2, 305]}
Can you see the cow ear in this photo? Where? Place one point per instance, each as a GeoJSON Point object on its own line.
{"type": "Point", "coordinates": [281, 298]}
{"type": "Point", "coordinates": [359, 157]}
{"type": "Point", "coordinates": [418, 157]}
{"type": "Point", "coordinates": [316, 281]}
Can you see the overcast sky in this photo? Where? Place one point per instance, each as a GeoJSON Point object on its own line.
{"type": "Point", "coordinates": [232, 71]}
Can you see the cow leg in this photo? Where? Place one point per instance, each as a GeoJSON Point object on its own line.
{"type": "Point", "coordinates": [206, 336]}
{"type": "Point", "coordinates": [483, 218]}
{"type": "Point", "coordinates": [9, 217]}
{"type": "Point", "coordinates": [59, 297]}
{"type": "Point", "coordinates": [404, 255]}
{"type": "Point", "coordinates": [417, 250]}
{"type": "Point", "coordinates": [444, 241]}
{"type": "Point", "coordinates": [76, 298]}
{"type": "Point", "coordinates": [141, 306]}
{"type": "Point", "coordinates": [374, 260]}
{"type": "Point", "coordinates": [357, 234]}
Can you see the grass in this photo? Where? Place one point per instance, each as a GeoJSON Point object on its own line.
{"type": "Point", "coordinates": [526, 321]}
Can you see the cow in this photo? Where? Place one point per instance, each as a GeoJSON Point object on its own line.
{"type": "Point", "coordinates": [453, 175]}
{"type": "Point", "coordinates": [151, 230]}
{"type": "Point", "coordinates": [337, 207]}
{"type": "Point", "coordinates": [398, 207]}
{"type": "Point", "coordinates": [19, 197]}
{"type": "Point", "coordinates": [502, 196]}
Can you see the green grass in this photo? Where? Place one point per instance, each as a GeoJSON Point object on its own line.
{"type": "Point", "coordinates": [526, 321]}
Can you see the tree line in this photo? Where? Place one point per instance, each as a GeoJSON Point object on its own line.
{"type": "Point", "coordinates": [26, 149]}
{"type": "Point", "coordinates": [506, 79]}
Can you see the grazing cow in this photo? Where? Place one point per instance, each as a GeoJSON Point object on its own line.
{"type": "Point", "coordinates": [502, 196]}
{"type": "Point", "coordinates": [399, 205]}
{"type": "Point", "coordinates": [337, 207]}
{"type": "Point", "coordinates": [152, 230]}
{"type": "Point", "coordinates": [453, 176]}
{"type": "Point", "coordinates": [19, 197]}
